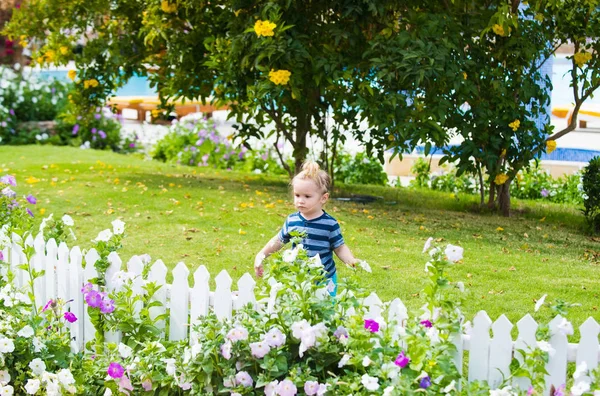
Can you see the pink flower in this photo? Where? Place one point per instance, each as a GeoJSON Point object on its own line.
{"type": "Point", "coordinates": [147, 384]}
{"type": "Point", "coordinates": [286, 388]}
{"type": "Point", "coordinates": [244, 379]}
{"type": "Point", "coordinates": [402, 360]}
{"type": "Point", "coordinates": [226, 350]}
{"type": "Point", "coordinates": [93, 299]}
{"type": "Point", "coordinates": [259, 349]}
{"type": "Point", "coordinates": [88, 287]}
{"type": "Point", "coordinates": [371, 325]}
{"type": "Point", "coordinates": [237, 333]}
{"type": "Point", "coordinates": [186, 386]}
{"type": "Point", "coordinates": [107, 306]}
{"type": "Point", "coordinates": [70, 317]}
{"type": "Point", "coordinates": [115, 370]}
{"type": "Point", "coordinates": [275, 338]}
{"type": "Point", "coordinates": [50, 302]}
{"type": "Point", "coordinates": [271, 388]}
{"type": "Point", "coordinates": [311, 387]}
{"type": "Point", "coordinates": [125, 385]}
{"type": "Point", "coordinates": [427, 323]}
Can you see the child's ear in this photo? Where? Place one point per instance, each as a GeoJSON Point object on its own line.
{"type": "Point", "coordinates": [325, 197]}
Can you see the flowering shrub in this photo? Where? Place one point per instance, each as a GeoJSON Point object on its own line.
{"type": "Point", "coordinates": [591, 189]}
{"type": "Point", "coordinates": [15, 213]}
{"type": "Point", "coordinates": [359, 169]}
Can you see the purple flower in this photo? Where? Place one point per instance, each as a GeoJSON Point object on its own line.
{"type": "Point", "coordinates": [371, 325]}
{"type": "Point", "coordinates": [75, 129]}
{"type": "Point", "coordinates": [131, 145]}
{"type": "Point", "coordinates": [427, 323]}
{"type": "Point", "coordinates": [50, 302]}
{"type": "Point", "coordinates": [93, 299]}
{"type": "Point", "coordinates": [8, 179]}
{"type": "Point", "coordinates": [402, 360]}
{"type": "Point", "coordinates": [88, 287]}
{"type": "Point", "coordinates": [97, 116]}
{"type": "Point", "coordinates": [244, 379]}
{"type": "Point", "coordinates": [70, 317]}
{"type": "Point", "coordinates": [115, 370]}
{"type": "Point", "coordinates": [107, 306]}
{"type": "Point", "coordinates": [425, 382]}
{"type": "Point", "coordinates": [265, 156]}
{"type": "Point", "coordinates": [7, 192]}
{"type": "Point", "coordinates": [147, 384]}
{"type": "Point", "coordinates": [12, 112]}
{"type": "Point", "coordinates": [94, 130]}
{"type": "Point", "coordinates": [193, 148]}
{"type": "Point", "coordinates": [102, 134]}
{"type": "Point", "coordinates": [1, 256]}
{"type": "Point", "coordinates": [340, 332]}
{"type": "Point", "coordinates": [544, 192]}
{"type": "Point", "coordinates": [560, 391]}
{"type": "Point", "coordinates": [31, 199]}
{"type": "Point", "coordinates": [29, 212]}
{"type": "Point", "coordinates": [205, 158]}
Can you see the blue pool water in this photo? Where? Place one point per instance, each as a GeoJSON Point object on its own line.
{"type": "Point", "coordinates": [136, 86]}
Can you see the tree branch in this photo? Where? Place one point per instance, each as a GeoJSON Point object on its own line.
{"type": "Point", "coordinates": [278, 122]}
{"type": "Point", "coordinates": [280, 155]}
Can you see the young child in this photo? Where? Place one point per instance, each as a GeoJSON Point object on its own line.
{"type": "Point", "coordinates": [323, 235]}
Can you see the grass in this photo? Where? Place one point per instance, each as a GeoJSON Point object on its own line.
{"type": "Point", "coordinates": [222, 219]}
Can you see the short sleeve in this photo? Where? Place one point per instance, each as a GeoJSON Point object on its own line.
{"type": "Point", "coordinates": [284, 234]}
{"type": "Point", "coordinates": [335, 237]}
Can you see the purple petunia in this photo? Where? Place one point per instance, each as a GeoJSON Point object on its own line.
{"type": "Point", "coordinates": [29, 212]}
{"type": "Point", "coordinates": [31, 199]}
{"type": "Point", "coordinates": [402, 360]}
{"type": "Point", "coordinates": [70, 317]}
{"type": "Point", "coordinates": [50, 302]}
{"type": "Point", "coordinates": [8, 179]}
{"type": "Point", "coordinates": [7, 192]}
{"type": "Point", "coordinates": [425, 382]}
{"type": "Point", "coordinates": [115, 370]}
{"type": "Point", "coordinates": [97, 116]}
{"type": "Point", "coordinates": [131, 145]}
{"type": "Point", "coordinates": [1, 256]}
{"type": "Point", "coordinates": [107, 306]}
{"type": "Point", "coordinates": [371, 325]}
{"type": "Point", "coordinates": [12, 112]}
{"type": "Point", "coordinates": [94, 130]}
{"type": "Point", "coordinates": [93, 299]}
{"type": "Point", "coordinates": [544, 193]}
{"type": "Point", "coordinates": [340, 332]}
{"type": "Point", "coordinates": [427, 323]}
{"type": "Point", "coordinates": [75, 129]}
{"type": "Point", "coordinates": [102, 134]}
{"type": "Point", "coordinates": [88, 287]}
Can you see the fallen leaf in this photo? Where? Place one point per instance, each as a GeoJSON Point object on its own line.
{"type": "Point", "coordinates": [499, 229]}
{"type": "Point", "coordinates": [241, 232]}
{"type": "Point", "coordinates": [512, 268]}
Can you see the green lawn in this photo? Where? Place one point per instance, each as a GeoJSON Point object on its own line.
{"type": "Point", "coordinates": [222, 219]}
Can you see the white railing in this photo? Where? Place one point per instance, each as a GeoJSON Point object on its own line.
{"type": "Point", "coordinates": [489, 355]}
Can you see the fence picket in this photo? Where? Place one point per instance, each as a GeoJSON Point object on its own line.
{"type": "Point", "coordinates": [374, 306]}
{"type": "Point", "coordinates": [114, 267]}
{"type": "Point", "coordinates": [136, 267]}
{"type": "Point", "coordinates": [525, 340]}
{"type": "Point", "coordinates": [589, 348]}
{"type": "Point", "coordinates": [74, 292]}
{"type": "Point", "coordinates": [63, 273]}
{"type": "Point", "coordinates": [17, 257]}
{"type": "Point", "coordinates": [179, 304]}
{"type": "Point", "coordinates": [158, 275]}
{"type": "Point", "coordinates": [557, 363]}
{"type": "Point", "coordinates": [49, 266]}
{"type": "Point", "coordinates": [89, 272]}
{"type": "Point", "coordinates": [479, 351]}
{"type": "Point", "coordinates": [223, 300]}
{"type": "Point", "coordinates": [500, 351]}
{"type": "Point", "coordinates": [246, 296]}
{"type": "Point", "coordinates": [37, 262]}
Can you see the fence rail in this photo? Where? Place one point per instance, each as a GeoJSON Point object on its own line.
{"type": "Point", "coordinates": [489, 356]}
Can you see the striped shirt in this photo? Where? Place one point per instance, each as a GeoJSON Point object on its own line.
{"type": "Point", "coordinates": [323, 235]}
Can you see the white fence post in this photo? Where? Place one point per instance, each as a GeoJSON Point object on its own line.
{"type": "Point", "coordinates": [179, 304]}
{"type": "Point", "coordinates": [589, 347]}
{"type": "Point", "coordinates": [89, 332]}
{"type": "Point", "coordinates": [557, 363]}
{"type": "Point", "coordinates": [246, 296]}
{"type": "Point", "coordinates": [199, 299]}
{"type": "Point", "coordinates": [479, 353]}
{"type": "Point", "coordinates": [51, 260]}
{"type": "Point", "coordinates": [63, 273]}
{"type": "Point", "coordinates": [74, 292]}
{"type": "Point", "coordinates": [158, 275]}
{"type": "Point", "coordinates": [500, 351]}
{"type": "Point", "coordinates": [223, 300]}
{"type": "Point", "coordinates": [525, 341]}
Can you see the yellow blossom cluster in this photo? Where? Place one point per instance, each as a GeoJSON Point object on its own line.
{"type": "Point", "coordinates": [168, 7]}
{"type": "Point", "coordinates": [72, 74]}
{"type": "Point", "coordinates": [264, 28]}
{"type": "Point", "coordinates": [550, 146]}
{"type": "Point", "coordinates": [581, 58]}
{"type": "Point", "coordinates": [280, 77]}
{"type": "Point", "coordinates": [93, 83]}
{"type": "Point", "coordinates": [515, 125]}
{"type": "Point", "coordinates": [64, 50]}
{"type": "Point", "coordinates": [500, 179]}
{"type": "Point", "coordinates": [498, 29]}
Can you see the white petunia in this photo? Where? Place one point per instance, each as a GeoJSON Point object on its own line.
{"type": "Point", "coordinates": [118, 227]}
{"type": "Point", "coordinates": [506, 391]}
{"type": "Point", "coordinates": [539, 303]}
{"type": "Point", "coordinates": [107, 392]}
{"type": "Point", "coordinates": [565, 327]}
{"type": "Point", "coordinates": [120, 278]}
{"type": "Point", "coordinates": [196, 349]}
{"type": "Point", "coordinates": [580, 388]}
{"type": "Point", "coordinates": [370, 383]}
{"type": "Point", "coordinates": [4, 377]}
{"type": "Point", "coordinates": [37, 366]}
{"type": "Point", "coordinates": [365, 266]}
{"type": "Point", "coordinates": [65, 377]}
{"type": "Point", "coordinates": [451, 387]}
{"type": "Point", "coordinates": [366, 361]}
{"type": "Point", "coordinates": [7, 390]}
{"type": "Point", "coordinates": [38, 345]}
{"type": "Point", "coordinates": [171, 369]}
{"type": "Point", "coordinates": [546, 347]}
{"type": "Point", "coordinates": [68, 220]}
{"type": "Point", "coordinates": [26, 332]}
{"type": "Point", "coordinates": [454, 253]}
{"type": "Point", "coordinates": [344, 360]}
{"type": "Point", "coordinates": [6, 345]}
{"type": "Point", "coordinates": [581, 369]}
{"type": "Point", "coordinates": [427, 244]}
{"type": "Point", "coordinates": [125, 351]}
{"type": "Point", "coordinates": [290, 255]}
{"type": "Point", "coordinates": [388, 391]}
{"type": "Point", "coordinates": [32, 386]}
{"type": "Point", "coordinates": [104, 236]}
{"type": "Point", "coordinates": [299, 327]}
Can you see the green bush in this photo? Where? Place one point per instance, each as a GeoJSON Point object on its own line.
{"type": "Point", "coordinates": [537, 183]}
{"type": "Point", "coordinates": [421, 169]}
{"type": "Point", "coordinates": [360, 169]}
{"type": "Point", "coordinates": [591, 194]}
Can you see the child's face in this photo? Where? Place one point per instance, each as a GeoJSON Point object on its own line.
{"type": "Point", "coordinates": [308, 199]}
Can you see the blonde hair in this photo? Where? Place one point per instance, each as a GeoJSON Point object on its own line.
{"type": "Point", "coordinates": [312, 171]}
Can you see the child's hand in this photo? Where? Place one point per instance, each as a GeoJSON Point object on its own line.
{"type": "Point", "coordinates": [258, 265]}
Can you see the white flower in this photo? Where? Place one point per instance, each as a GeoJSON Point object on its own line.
{"type": "Point", "coordinates": [546, 347]}
{"type": "Point", "coordinates": [104, 236]}
{"type": "Point", "coordinates": [68, 220]}
{"type": "Point", "coordinates": [290, 255]}
{"type": "Point", "coordinates": [451, 387]}
{"type": "Point", "coordinates": [6, 345]}
{"type": "Point", "coordinates": [6, 390]}
{"type": "Point", "coordinates": [391, 369]}
{"type": "Point", "coordinates": [565, 327]}
{"type": "Point", "coordinates": [461, 286]}
{"type": "Point", "coordinates": [238, 333]}
{"type": "Point", "coordinates": [32, 386]}
{"type": "Point", "coordinates": [315, 261]}
{"type": "Point", "coordinates": [454, 253]}
{"type": "Point", "coordinates": [506, 391]}
{"type": "Point", "coordinates": [274, 337]}
{"type": "Point", "coordinates": [299, 327]}
{"type": "Point", "coordinates": [344, 360]}
{"type": "Point", "coordinates": [366, 361]}
{"type": "Point", "coordinates": [118, 227]}
{"type": "Point", "coordinates": [37, 366]}
{"type": "Point", "coordinates": [580, 388]}
{"type": "Point", "coordinates": [44, 221]}
{"type": "Point", "coordinates": [427, 265]}
{"type": "Point", "coordinates": [388, 391]}
{"type": "Point", "coordinates": [170, 366]}
{"type": "Point", "coordinates": [120, 278]}
{"type": "Point", "coordinates": [434, 335]}
{"type": "Point", "coordinates": [270, 388]}
{"type": "Point", "coordinates": [26, 332]}
{"type": "Point", "coordinates": [4, 377]}
{"type": "Point", "coordinates": [307, 340]}
{"type": "Point", "coordinates": [259, 349]}
{"type": "Point", "coordinates": [65, 377]}
{"type": "Point", "coordinates": [107, 392]}
{"type": "Point", "coordinates": [539, 303]}
{"type": "Point", "coordinates": [581, 369]}
{"type": "Point", "coordinates": [365, 266]}
{"type": "Point", "coordinates": [427, 245]}
{"type": "Point", "coordinates": [38, 345]}
{"type": "Point", "coordinates": [370, 383]}
{"type": "Point", "coordinates": [196, 349]}
{"type": "Point", "coordinates": [125, 351]}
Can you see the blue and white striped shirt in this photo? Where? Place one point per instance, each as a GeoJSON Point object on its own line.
{"type": "Point", "coordinates": [323, 235]}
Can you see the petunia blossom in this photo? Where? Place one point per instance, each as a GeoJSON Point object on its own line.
{"type": "Point", "coordinates": [31, 199]}
{"type": "Point", "coordinates": [70, 317]}
{"type": "Point", "coordinates": [115, 370]}
{"type": "Point", "coordinates": [259, 349]}
{"type": "Point", "coordinates": [454, 253]}
{"type": "Point", "coordinates": [402, 360]}
{"type": "Point", "coordinates": [286, 388]}
{"type": "Point", "coordinates": [244, 379]}
{"type": "Point", "coordinates": [371, 325]}
{"type": "Point", "coordinates": [275, 338]}
{"type": "Point", "coordinates": [370, 383]}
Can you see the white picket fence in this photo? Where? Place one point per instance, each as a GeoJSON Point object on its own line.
{"type": "Point", "coordinates": [489, 356]}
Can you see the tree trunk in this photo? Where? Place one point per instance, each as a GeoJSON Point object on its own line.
{"type": "Point", "coordinates": [504, 198]}
{"type": "Point", "coordinates": [492, 196]}
{"type": "Point", "coordinates": [300, 149]}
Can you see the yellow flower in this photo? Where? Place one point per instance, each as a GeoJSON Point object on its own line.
{"type": "Point", "coordinates": [237, 12]}
{"type": "Point", "coordinates": [49, 55]}
{"type": "Point", "coordinates": [581, 58]}
{"type": "Point", "coordinates": [391, 138]}
{"type": "Point", "coordinates": [503, 153]}
{"type": "Point", "coordinates": [465, 75]}
{"type": "Point", "coordinates": [72, 74]}
{"type": "Point", "coordinates": [167, 7]}
{"type": "Point", "coordinates": [93, 83]}
{"type": "Point", "coordinates": [155, 113]}
{"type": "Point", "coordinates": [515, 125]}
{"type": "Point", "coordinates": [550, 146]}
{"type": "Point", "coordinates": [500, 179]}
{"type": "Point", "coordinates": [499, 30]}
{"type": "Point", "coordinates": [264, 28]}
{"type": "Point", "coordinates": [64, 50]}
{"type": "Point", "coordinates": [23, 43]}
{"type": "Point", "coordinates": [280, 77]}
